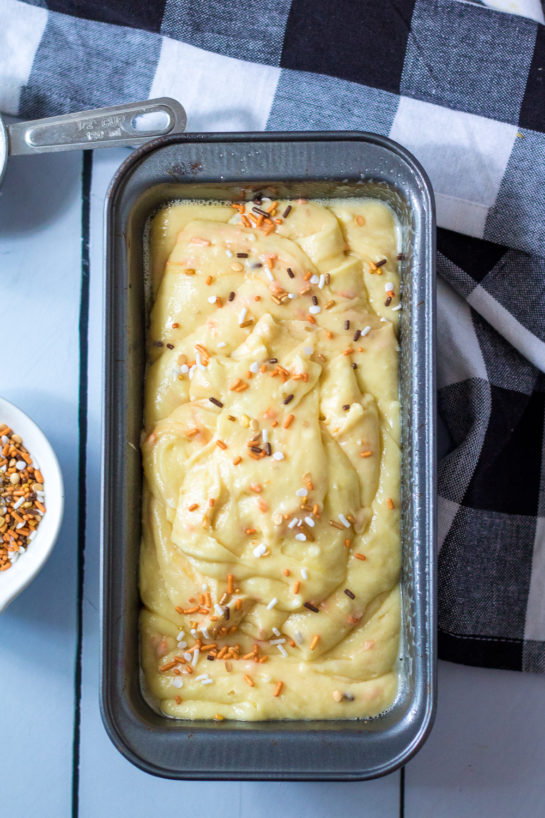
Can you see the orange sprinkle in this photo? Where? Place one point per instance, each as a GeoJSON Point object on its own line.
{"type": "Point", "coordinates": [288, 421]}
{"type": "Point", "coordinates": [311, 319]}
{"type": "Point", "coordinates": [209, 279]}
{"type": "Point", "coordinates": [218, 717]}
{"type": "Point", "coordinates": [39, 477]}
{"type": "Point", "coordinates": [175, 325]}
{"type": "Point", "coordinates": [256, 488]}
{"type": "Point", "coordinates": [361, 557]}
{"type": "Point", "coordinates": [245, 220]}
{"type": "Point", "coordinates": [366, 454]}
{"type": "Point", "coordinates": [237, 460]}
{"type": "Point", "coordinates": [329, 334]}
{"type": "Point", "coordinates": [250, 530]}
{"type": "Point", "coordinates": [296, 586]}
{"type": "Point", "coordinates": [352, 619]}
{"type": "Point", "coordinates": [271, 207]}
{"type": "Point", "coordinates": [192, 432]}
{"type": "Point", "coordinates": [278, 689]}
{"type": "Point", "coordinates": [248, 680]}
{"type": "Point", "coordinates": [348, 542]}
{"type": "Point", "coordinates": [178, 699]}
{"type": "Point", "coordinates": [263, 506]}
{"type": "Point", "coordinates": [389, 503]}
{"type": "Point", "coordinates": [221, 444]}
{"type": "Point", "coordinates": [274, 424]}
{"type": "Point", "coordinates": [230, 585]}
{"type": "Point", "coordinates": [238, 604]}
{"type": "Point", "coordinates": [211, 502]}
{"type": "Point", "coordinates": [348, 351]}
{"type": "Point", "coordinates": [268, 229]}
{"type": "Point", "coordinates": [36, 502]}
{"type": "Point", "coordinates": [315, 640]}
{"type": "Point", "coordinates": [193, 506]}
{"type": "Point", "coordinates": [287, 572]}
{"type": "Point", "coordinates": [168, 666]}
{"type": "Point", "coordinates": [307, 276]}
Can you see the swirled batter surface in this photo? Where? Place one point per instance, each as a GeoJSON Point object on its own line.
{"type": "Point", "coordinates": [270, 560]}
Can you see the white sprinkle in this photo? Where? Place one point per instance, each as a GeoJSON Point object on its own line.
{"type": "Point", "coordinates": [344, 521]}
{"type": "Point", "coordinates": [14, 556]}
{"type": "Point", "coordinates": [201, 677]}
{"type": "Point", "coordinates": [272, 603]}
{"type": "Point", "coordinates": [277, 641]}
{"type": "Point", "coordinates": [292, 523]}
{"type": "Point", "coordinates": [195, 657]}
{"type": "Point", "coordinates": [193, 633]}
{"type": "Point", "coordinates": [309, 521]}
{"type": "Point", "coordinates": [19, 525]}
{"type": "Point", "coordinates": [276, 631]}
{"type": "Point", "coordinates": [388, 286]}
{"type": "Point", "coordinates": [218, 609]}
{"type": "Point", "coordinates": [365, 331]}
{"type": "Point", "coordinates": [301, 537]}
{"type": "Point", "coordinates": [181, 645]}
{"type": "Point", "coordinates": [198, 359]}
{"type": "Point", "coordinates": [204, 587]}
{"type": "Point", "coordinates": [229, 253]}
{"type": "Point", "coordinates": [314, 309]}
{"type": "Point", "coordinates": [301, 492]}
{"type": "Point", "coordinates": [242, 315]}
{"type": "Point", "coordinates": [251, 237]}
{"type": "Point", "coordinates": [5, 439]}
{"type": "Point", "coordinates": [254, 367]}
{"type": "Point", "coordinates": [278, 456]}
{"type": "Point", "coordinates": [191, 372]}
{"type": "Point", "coordinates": [184, 369]}
{"type": "Point", "coordinates": [395, 309]}
{"type": "Point", "coordinates": [188, 657]}
{"type": "Point", "coordinates": [3, 469]}
{"type": "Point", "coordinates": [269, 274]}
{"type": "Point", "coordinates": [177, 682]}
{"type": "Point", "coordinates": [259, 550]}
{"type": "Point", "coordinates": [308, 350]}
{"type": "Point", "coordinates": [265, 435]}
{"type": "Point", "coordinates": [292, 295]}
{"type": "Point", "coordinates": [19, 502]}
{"type": "Point", "coordinates": [205, 633]}
{"type": "Point", "coordinates": [282, 650]}
{"type": "Point", "coordinates": [31, 537]}
{"type": "Point", "coordinates": [221, 344]}
{"type": "Point", "coordinates": [20, 465]}
{"type": "Point", "coordinates": [321, 282]}
{"type": "Point", "coordinates": [207, 681]}
{"type": "Point", "coordinates": [384, 320]}
{"type": "Point", "coordinates": [212, 299]}
{"type": "Point", "coordinates": [314, 279]}
{"type": "Point", "coordinates": [304, 573]}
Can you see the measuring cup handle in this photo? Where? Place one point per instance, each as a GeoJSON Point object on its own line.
{"type": "Point", "coordinates": [101, 128]}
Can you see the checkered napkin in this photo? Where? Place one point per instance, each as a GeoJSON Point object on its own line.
{"type": "Point", "coordinates": [463, 87]}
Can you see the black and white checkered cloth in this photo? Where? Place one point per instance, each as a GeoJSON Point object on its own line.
{"type": "Point", "coordinates": [462, 86]}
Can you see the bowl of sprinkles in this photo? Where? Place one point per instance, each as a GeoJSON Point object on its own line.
{"type": "Point", "coordinates": [31, 501]}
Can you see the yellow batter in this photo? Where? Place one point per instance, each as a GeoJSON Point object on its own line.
{"type": "Point", "coordinates": [271, 550]}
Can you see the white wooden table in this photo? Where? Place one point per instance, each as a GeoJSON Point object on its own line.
{"type": "Point", "coordinates": [486, 754]}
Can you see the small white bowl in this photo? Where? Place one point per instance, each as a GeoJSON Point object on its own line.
{"type": "Point", "coordinates": [23, 571]}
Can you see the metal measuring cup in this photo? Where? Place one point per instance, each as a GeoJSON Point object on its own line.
{"type": "Point", "coordinates": [100, 128]}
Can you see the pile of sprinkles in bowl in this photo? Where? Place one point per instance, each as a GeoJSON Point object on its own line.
{"type": "Point", "coordinates": [22, 498]}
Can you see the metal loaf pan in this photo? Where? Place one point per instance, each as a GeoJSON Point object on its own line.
{"type": "Point", "coordinates": [220, 166]}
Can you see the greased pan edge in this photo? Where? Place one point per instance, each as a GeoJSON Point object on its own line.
{"type": "Point", "coordinates": [298, 750]}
